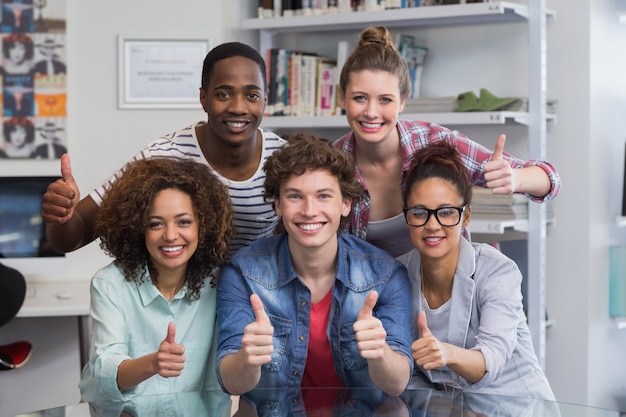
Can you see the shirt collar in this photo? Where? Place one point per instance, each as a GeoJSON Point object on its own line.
{"type": "Point", "coordinates": [148, 292]}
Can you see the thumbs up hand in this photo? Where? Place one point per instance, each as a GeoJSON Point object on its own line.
{"type": "Point", "coordinates": [62, 196]}
{"type": "Point", "coordinates": [370, 334]}
{"type": "Point", "coordinates": [256, 343]}
{"type": "Point", "coordinates": [499, 175]}
{"type": "Point", "coordinates": [428, 352]}
{"type": "Point", "coordinates": [171, 355]}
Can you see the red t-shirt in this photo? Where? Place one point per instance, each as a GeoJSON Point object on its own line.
{"type": "Point", "coordinates": [320, 369]}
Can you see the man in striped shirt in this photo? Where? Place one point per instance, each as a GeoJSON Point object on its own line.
{"type": "Point", "coordinates": [233, 95]}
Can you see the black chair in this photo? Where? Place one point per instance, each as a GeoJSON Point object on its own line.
{"type": "Point", "coordinates": [12, 295]}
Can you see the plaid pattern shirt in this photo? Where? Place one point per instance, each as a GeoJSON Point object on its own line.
{"type": "Point", "coordinates": [415, 135]}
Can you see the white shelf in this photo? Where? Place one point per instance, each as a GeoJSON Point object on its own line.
{"type": "Point", "coordinates": [621, 221]}
{"type": "Point", "coordinates": [497, 227]}
{"type": "Point", "coordinates": [620, 322]}
{"type": "Point", "coordinates": [453, 14]}
{"type": "Point", "coordinates": [444, 119]}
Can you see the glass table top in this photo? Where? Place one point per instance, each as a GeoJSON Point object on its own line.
{"type": "Point", "coordinates": [326, 402]}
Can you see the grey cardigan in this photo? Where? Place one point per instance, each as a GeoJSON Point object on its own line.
{"type": "Point", "coordinates": [486, 314]}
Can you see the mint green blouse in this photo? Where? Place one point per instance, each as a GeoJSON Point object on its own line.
{"type": "Point", "coordinates": [130, 320]}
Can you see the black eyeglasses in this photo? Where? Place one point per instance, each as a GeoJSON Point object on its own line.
{"type": "Point", "coordinates": [446, 216]}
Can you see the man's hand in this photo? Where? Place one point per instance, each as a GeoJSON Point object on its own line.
{"type": "Point", "coordinates": [256, 342]}
{"type": "Point", "coordinates": [370, 334]}
{"type": "Point", "coordinates": [61, 197]}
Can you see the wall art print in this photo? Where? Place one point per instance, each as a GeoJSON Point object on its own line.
{"type": "Point", "coordinates": [33, 76]}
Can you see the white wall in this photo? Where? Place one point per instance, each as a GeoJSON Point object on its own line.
{"type": "Point", "coordinates": [585, 352]}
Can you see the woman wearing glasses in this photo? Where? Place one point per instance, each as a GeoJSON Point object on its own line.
{"type": "Point", "coordinates": [469, 327]}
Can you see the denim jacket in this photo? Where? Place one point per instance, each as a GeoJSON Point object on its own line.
{"type": "Point", "coordinates": [265, 268]}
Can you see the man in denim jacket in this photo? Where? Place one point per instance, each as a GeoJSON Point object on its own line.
{"type": "Point", "coordinates": [313, 307]}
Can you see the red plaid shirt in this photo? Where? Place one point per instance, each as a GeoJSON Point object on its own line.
{"type": "Point", "coordinates": [415, 135]}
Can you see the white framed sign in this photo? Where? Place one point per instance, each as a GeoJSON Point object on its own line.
{"type": "Point", "coordinates": [160, 72]}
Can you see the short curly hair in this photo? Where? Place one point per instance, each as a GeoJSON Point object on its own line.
{"type": "Point", "coordinates": [305, 152]}
{"type": "Point", "coordinates": [122, 219]}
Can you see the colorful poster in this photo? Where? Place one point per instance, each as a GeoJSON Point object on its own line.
{"type": "Point", "coordinates": [33, 76]}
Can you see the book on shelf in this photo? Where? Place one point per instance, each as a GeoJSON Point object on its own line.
{"type": "Point", "coordinates": [497, 207]}
{"type": "Point", "coordinates": [271, 59]}
{"type": "Point", "coordinates": [431, 105]}
{"type": "Point", "coordinates": [306, 8]}
{"type": "Point", "coordinates": [395, 4]}
{"type": "Point", "coordinates": [332, 6]}
{"type": "Point", "coordinates": [320, 6]}
{"type": "Point", "coordinates": [342, 55]}
{"type": "Point", "coordinates": [414, 54]}
{"type": "Point", "coordinates": [278, 8]}
{"type": "Point", "coordinates": [308, 85]}
{"type": "Point", "coordinates": [266, 9]}
{"type": "Point", "coordinates": [280, 105]}
{"type": "Point", "coordinates": [325, 96]}
{"type": "Point", "coordinates": [288, 8]}
{"type": "Point", "coordinates": [415, 57]}
{"type": "Point", "coordinates": [293, 83]}
{"type": "Point", "coordinates": [489, 206]}
{"type": "Point", "coordinates": [344, 6]}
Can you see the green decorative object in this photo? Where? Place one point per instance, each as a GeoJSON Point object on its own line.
{"type": "Point", "coordinates": [486, 102]}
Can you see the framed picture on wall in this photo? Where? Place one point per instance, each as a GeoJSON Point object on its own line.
{"type": "Point", "coordinates": [160, 72]}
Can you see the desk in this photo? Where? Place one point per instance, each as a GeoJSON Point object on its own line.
{"type": "Point", "coordinates": [57, 329]}
{"type": "Point", "coordinates": [42, 300]}
{"type": "Point", "coordinates": [348, 403]}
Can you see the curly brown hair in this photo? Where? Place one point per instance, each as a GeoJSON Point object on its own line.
{"type": "Point", "coordinates": [122, 219]}
{"type": "Point", "coordinates": [308, 152]}
{"type": "Point", "coordinates": [377, 52]}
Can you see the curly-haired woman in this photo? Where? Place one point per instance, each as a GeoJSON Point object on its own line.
{"type": "Point", "coordinates": [168, 224]}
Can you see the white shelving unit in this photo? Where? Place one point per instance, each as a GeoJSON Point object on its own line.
{"type": "Point", "coordinates": [444, 119]}
{"type": "Point", "coordinates": [535, 16]}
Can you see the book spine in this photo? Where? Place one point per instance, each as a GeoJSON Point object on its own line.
{"type": "Point", "coordinates": [281, 83]}
{"type": "Point", "coordinates": [325, 86]}
{"type": "Point", "coordinates": [297, 6]}
{"type": "Point", "coordinates": [345, 6]}
{"type": "Point", "coordinates": [271, 95]}
{"type": "Point", "coordinates": [307, 85]}
{"type": "Point", "coordinates": [278, 8]}
{"type": "Point", "coordinates": [342, 55]}
{"type": "Point", "coordinates": [320, 7]}
{"type": "Point", "coordinates": [307, 7]}
{"type": "Point", "coordinates": [294, 82]}
{"type": "Point", "coordinates": [288, 84]}
{"type": "Point", "coordinates": [287, 7]}
{"type": "Point", "coordinates": [266, 9]}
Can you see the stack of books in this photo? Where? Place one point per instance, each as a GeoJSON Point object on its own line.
{"type": "Point", "coordinates": [492, 207]}
{"type": "Point", "coordinates": [489, 206]}
{"type": "Point", "coordinates": [431, 105]}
